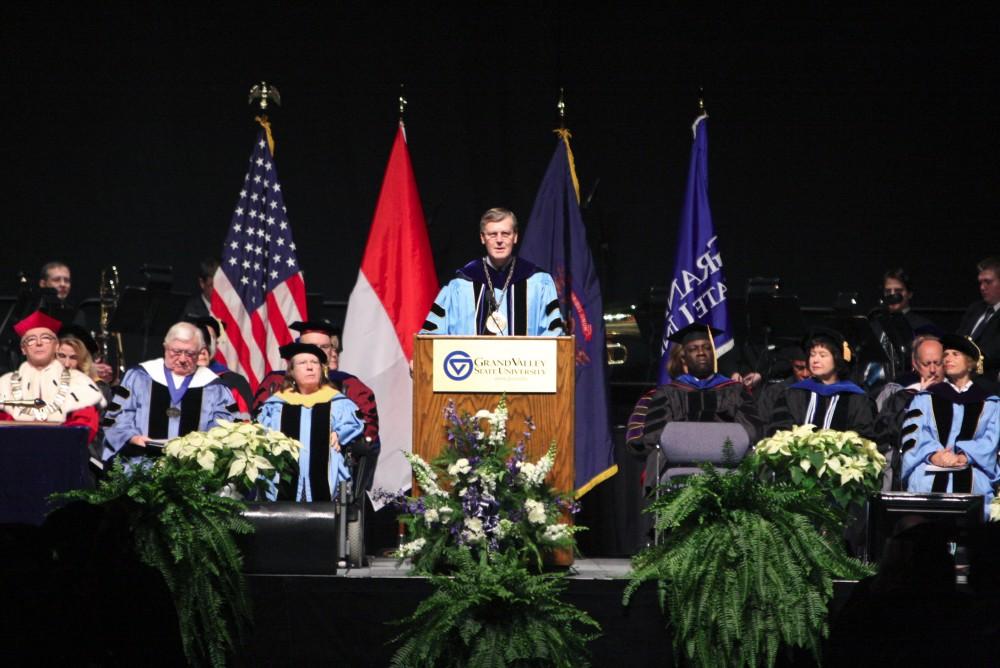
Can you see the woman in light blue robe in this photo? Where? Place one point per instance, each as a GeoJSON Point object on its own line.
{"type": "Point", "coordinates": [950, 431]}
{"type": "Point", "coordinates": [310, 410]}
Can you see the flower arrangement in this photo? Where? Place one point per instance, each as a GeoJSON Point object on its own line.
{"type": "Point", "coordinates": [839, 463]}
{"type": "Point", "coordinates": [236, 454]}
{"type": "Point", "coordinates": [481, 494]}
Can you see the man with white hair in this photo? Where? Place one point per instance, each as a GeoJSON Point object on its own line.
{"type": "Point", "coordinates": [166, 397]}
{"type": "Point", "coordinates": [42, 390]}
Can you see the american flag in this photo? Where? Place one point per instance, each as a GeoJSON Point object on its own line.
{"type": "Point", "coordinates": [259, 288]}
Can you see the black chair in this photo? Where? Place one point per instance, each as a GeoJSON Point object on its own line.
{"type": "Point", "coordinates": [684, 446]}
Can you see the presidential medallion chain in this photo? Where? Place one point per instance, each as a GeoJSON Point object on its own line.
{"type": "Point", "coordinates": [496, 323]}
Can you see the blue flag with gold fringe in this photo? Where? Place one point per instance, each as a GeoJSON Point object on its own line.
{"type": "Point", "coordinates": [556, 240]}
{"type": "Point", "coordinates": [697, 289]}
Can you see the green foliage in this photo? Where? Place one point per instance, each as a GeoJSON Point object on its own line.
{"type": "Point", "coordinates": [744, 566]}
{"type": "Point", "coordinates": [494, 613]}
{"type": "Point", "coordinates": [186, 532]}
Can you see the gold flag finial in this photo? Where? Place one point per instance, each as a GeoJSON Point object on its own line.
{"type": "Point", "coordinates": [265, 94]}
{"type": "Point", "coordinates": [701, 101]}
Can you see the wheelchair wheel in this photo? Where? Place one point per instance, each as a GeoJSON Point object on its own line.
{"type": "Point", "coordinates": [356, 537]}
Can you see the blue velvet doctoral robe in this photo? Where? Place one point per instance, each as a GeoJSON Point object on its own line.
{"type": "Point", "coordinates": [968, 423]}
{"type": "Point", "coordinates": [138, 407]}
{"type": "Point", "coordinates": [343, 420]}
{"type": "Point", "coordinates": [530, 306]}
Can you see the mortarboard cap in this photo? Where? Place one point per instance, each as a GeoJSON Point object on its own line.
{"type": "Point", "coordinates": [323, 326]}
{"type": "Point", "coordinates": [290, 350]}
{"type": "Point", "coordinates": [694, 332]}
{"type": "Point", "coordinates": [81, 334]}
{"type": "Point", "coordinates": [830, 336]}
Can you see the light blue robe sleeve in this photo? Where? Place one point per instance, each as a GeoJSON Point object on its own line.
{"type": "Point", "coordinates": [545, 315]}
{"type": "Point", "coordinates": [269, 415]}
{"type": "Point", "coordinates": [982, 448]}
{"type": "Point", "coordinates": [214, 401]}
{"type": "Point", "coordinates": [453, 311]}
{"type": "Point", "coordinates": [926, 436]}
{"type": "Point", "coordinates": [128, 421]}
{"type": "Point", "coordinates": [344, 420]}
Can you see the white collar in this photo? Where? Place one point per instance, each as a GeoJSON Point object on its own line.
{"type": "Point", "coordinates": [202, 375]}
{"type": "Point", "coordinates": [960, 390]}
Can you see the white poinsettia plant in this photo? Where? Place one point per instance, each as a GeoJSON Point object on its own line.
{"type": "Point", "coordinates": [240, 455]}
{"type": "Point", "coordinates": [481, 494]}
{"type": "Point", "coordinates": [995, 509]}
{"type": "Point", "coordinates": [840, 463]}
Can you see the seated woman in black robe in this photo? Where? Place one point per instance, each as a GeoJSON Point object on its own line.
{"type": "Point", "coordinates": [827, 398]}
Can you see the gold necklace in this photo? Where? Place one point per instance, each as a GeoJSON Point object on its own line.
{"type": "Point", "coordinates": [496, 323]}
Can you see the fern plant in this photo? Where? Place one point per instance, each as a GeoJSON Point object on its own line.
{"type": "Point", "coordinates": [186, 532]}
{"type": "Point", "coordinates": [744, 567]}
{"type": "Point", "coordinates": [494, 613]}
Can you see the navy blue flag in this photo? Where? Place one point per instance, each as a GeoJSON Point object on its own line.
{"type": "Point", "coordinates": [697, 290]}
{"type": "Point", "coordinates": [556, 240]}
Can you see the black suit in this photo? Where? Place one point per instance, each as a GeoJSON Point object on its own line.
{"type": "Point", "coordinates": [988, 339]}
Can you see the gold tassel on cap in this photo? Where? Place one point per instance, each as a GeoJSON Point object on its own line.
{"type": "Point", "coordinates": [847, 352]}
{"type": "Point", "coordinates": [715, 358]}
{"type": "Point", "coordinates": [979, 362]}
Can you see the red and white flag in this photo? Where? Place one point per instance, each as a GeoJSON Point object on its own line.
{"type": "Point", "coordinates": [395, 289]}
{"type": "Point", "coordinates": [259, 288]}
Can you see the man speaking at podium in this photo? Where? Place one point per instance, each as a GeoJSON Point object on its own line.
{"type": "Point", "coordinates": [497, 295]}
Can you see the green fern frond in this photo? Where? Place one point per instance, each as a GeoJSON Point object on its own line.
{"type": "Point", "coordinates": [746, 567]}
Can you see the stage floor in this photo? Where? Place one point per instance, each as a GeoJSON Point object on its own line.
{"type": "Point", "coordinates": [582, 569]}
{"type": "Point", "coordinates": [347, 619]}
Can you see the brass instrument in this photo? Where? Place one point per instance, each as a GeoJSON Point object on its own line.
{"type": "Point", "coordinates": [110, 343]}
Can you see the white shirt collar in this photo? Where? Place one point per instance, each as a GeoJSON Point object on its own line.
{"type": "Point", "coordinates": [958, 389]}
{"type": "Point", "coordinates": [202, 376]}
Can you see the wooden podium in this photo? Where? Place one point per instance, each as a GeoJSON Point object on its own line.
{"type": "Point", "coordinates": [552, 412]}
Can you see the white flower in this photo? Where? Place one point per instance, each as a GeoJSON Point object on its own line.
{"type": "Point", "coordinates": [555, 533]}
{"type": "Point", "coordinates": [460, 467]}
{"type": "Point", "coordinates": [995, 510]}
{"type": "Point", "coordinates": [409, 549]}
{"type": "Point", "coordinates": [431, 516]}
{"type": "Point", "coordinates": [206, 459]}
{"type": "Point", "coordinates": [473, 532]}
{"type": "Point", "coordinates": [535, 510]}
{"type": "Point", "coordinates": [503, 528]}
{"type": "Point", "coordinates": [248, 464]}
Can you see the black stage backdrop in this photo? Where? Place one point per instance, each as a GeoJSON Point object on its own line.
{"type": "Point", "coordinates": [842, 140]}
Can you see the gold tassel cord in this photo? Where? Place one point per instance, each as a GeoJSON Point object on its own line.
{"type": "Point", "coordinates": [266, 124]}
{"type": "Point", "coordinates": [979, 362]}
{"type": "Point", "coordinates": [847, 352]}
{"type": "Point", "coordinates": [715, 357]}
{"type": "Point", "coordinates": [564, 134]}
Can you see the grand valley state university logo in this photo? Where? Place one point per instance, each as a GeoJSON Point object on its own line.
{"type": "Point", "coordinates": [458, 365]}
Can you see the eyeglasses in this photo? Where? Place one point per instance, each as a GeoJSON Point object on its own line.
{"type": "Point", "coordinates": [34, 340]}
{"type": "Point", "coordinates": [190, 354]}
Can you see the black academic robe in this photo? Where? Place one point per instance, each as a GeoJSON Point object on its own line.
{"type": "Point", "coordinates": [852, 412]}
{"type": "Point", "coordinates": [680, 402]}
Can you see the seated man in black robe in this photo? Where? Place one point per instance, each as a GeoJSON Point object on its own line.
{"type": "Point", "coordinates": [698, 395]}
